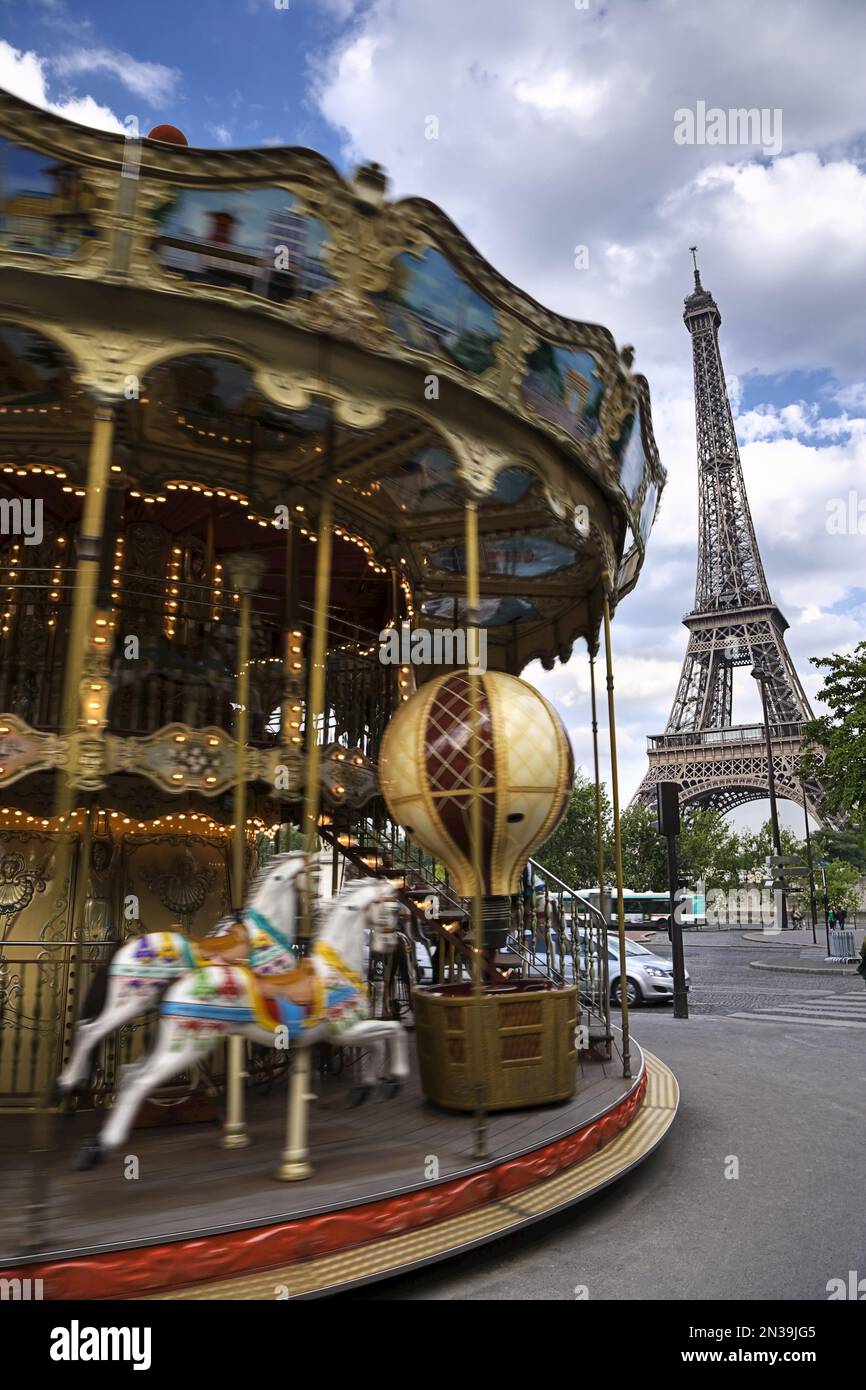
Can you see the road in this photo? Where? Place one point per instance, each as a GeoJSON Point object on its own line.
{"type": "Point", "coordinates": [778, 1093]}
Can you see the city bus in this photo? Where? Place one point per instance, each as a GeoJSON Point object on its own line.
{"type": "Point", "coordinates": [650, 909]}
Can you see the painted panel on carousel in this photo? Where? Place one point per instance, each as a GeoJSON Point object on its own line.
{"type": "Point", "coordinates": [35, 375]}
{"type": "Point", "coordinates": [490, 612]}
{"type": "Point", "coordinates": [525, 557]}
{"type": "Point", "coordinates": [428, 482]}
{"type": "Point", "coordinates": [204, 393]}
{"type": "Point", "coordinates": [45, 203]}
{"type": "Point", "coordinates": [632, 457]}
{"type": "Point", "coordinates": [434, 310]}
{"type": "Point", "coordinates": [252, 239]}
{"type": "Point", "coordinates": [648, 512]}
{"type": "Point", "coordinates": [177, 880]}
{"type": "Point", "coordinates": [563, 386]}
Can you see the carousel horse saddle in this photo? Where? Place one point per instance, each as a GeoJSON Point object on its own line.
{"type": "Point", "coordinates": [297, 998]}
{"type": "Point", "coordinates": [287, 998]}
{"type": "Point", "coordinates": [298, 985]}
{"type": "Point", "coordinates": [232, 943]}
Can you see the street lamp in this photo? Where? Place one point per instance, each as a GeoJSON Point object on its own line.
{"type": "Point", "coordinates": [762, 676]}
{"type": "Point", "coordinates": [822, 865]}
{"type": "Point", "coordinates": [811, 865]}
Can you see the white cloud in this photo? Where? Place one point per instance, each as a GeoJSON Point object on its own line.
{"type": "Point", "coordinates": [221, 133]}
{"type": "Point", "coordinates": [24, 75]}
{"type": "Point", "coordinates": [557, 92]}
{"type": "Point", "coordinates": [153, 82]}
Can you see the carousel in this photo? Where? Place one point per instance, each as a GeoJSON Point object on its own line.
{"type": "Point", "coordinates": [295, 489]}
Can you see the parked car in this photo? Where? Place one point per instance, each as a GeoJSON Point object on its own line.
{"type": "Point", "coordinates": [648, 977]}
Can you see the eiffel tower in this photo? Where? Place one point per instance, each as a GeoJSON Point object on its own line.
{"type": "Point", "coordinates": [734, 622]}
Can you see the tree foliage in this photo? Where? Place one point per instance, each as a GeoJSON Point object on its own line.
{"type": "Point", "coordinates": [841, 734]}
{"type": "Point", "coordinates": [842, 885]}
{"type": "Point", "coordinates": [710, 850]}
{"type": "Point", "coordinates": [644, 854]}
{"type": "Point", "coordinates": [571, 852]}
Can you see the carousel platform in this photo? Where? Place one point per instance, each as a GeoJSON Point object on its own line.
{"type": "Point", "coordinates": [395, 1187]}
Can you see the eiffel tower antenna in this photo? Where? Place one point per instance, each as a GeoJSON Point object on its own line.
{"type": "Point", "coordinates": [734, 622]}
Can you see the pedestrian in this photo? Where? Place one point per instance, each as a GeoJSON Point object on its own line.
{"type": "Point", "coordinates": [861, 968]}
{"type": "Point", "coordinates": [831, 920]}
{"type": "Point", "coordinates": [841, 914]}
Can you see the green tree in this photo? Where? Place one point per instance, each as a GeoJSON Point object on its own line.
{"type": "Point", "coordinates": [644, 853]}
{"type": "Point", "coordinates": [841, 735]}
{"type": "Point", "coordinates": [570, 853]}
{"type": "Point", "coordinates": [842, 885]}
{"type": "Point", "coordinates": [709, 850]}
{"type": "Point", "coordinates": [757, 845]}
{"type": "Point", "coordinates": [848, 844]}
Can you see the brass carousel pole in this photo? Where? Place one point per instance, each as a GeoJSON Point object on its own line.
{"type": "Point", "coordinates": [472, 604]}
{"type": "Point", "coordinates": [599, 843]}
{"type": "Point", "coordinates": [79, 640]}
{"type": "Point", "coordinates": [295, 1164]}
{"type": "Point", "coordinates": [617, 839]}
{"type": "Point", "coordinates": [245, 575]}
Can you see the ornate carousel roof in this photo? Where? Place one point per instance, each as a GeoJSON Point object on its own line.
{"type": "Point", "coordinates": [263, 326]}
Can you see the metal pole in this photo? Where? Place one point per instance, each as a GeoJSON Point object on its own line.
{"type": "Point", "coordinates": [475, 827]}
{"type": "Point", "coordinates": [809, 861]}
{"type": "Point", "coordinates": [826, 908]}
{"type": "Point", "coordinates": [681, 998]}
{"type": "Point", "coordinates": [86, 580]}
{"type": "Point", "coordinates": [604, 964]}
{"type": "Point", "coordinates": [617, 840]}
{"type": "Point", "coordinates": [761, 678]}
{"type": "Point", "coordinates": [294, 1164]}
{"type": "Point", "coordinates": [245, 573]}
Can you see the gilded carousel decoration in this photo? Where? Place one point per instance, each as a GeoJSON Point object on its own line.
{"type": "Point", "coordinates": [277, 455]}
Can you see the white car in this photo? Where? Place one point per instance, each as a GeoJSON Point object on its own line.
{"type": "Point", "coordinates": [648, 976]}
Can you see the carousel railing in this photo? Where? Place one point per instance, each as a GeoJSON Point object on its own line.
{"type": "Point", "coordinates": [559, 934]}
{"type": "Point", "coordinates": [39, 1007]}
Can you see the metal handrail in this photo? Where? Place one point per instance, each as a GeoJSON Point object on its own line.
{"type": "Point", "coordinates": [572, 892]}
{"type": "Point", "coordinates": [737, 733]}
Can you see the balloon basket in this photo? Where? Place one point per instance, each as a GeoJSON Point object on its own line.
{"type": "Point", "coordinates": [517, 1042]}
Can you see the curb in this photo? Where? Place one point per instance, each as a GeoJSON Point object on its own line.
{"type": "Point", "coordinates": [831, 971]}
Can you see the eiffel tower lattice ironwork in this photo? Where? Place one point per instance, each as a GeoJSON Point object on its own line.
{"type": "Point", "coordinates": [734, 623]}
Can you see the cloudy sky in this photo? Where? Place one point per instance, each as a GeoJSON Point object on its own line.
{"type": "Point", "coordinates": [556, 128]}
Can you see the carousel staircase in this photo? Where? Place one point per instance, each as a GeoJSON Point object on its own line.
{"type": "Point", "coordinates": [437, 915]}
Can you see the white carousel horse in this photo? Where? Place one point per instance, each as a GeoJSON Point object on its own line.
{"type": "Point", "coordinates": [141, 970]}
{"type": "Point", "coordinates": [211, 1001]}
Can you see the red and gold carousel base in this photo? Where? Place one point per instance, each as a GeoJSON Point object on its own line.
{"type": "Point", "coordinates": [338, 1237]}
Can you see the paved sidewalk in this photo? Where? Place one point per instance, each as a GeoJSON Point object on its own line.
{"type": "Point", "coordinates": [788, 952]}
{"type": "Point", "coordinates": [802, 937]}
{"type": "Point", "coordinates": [815, 966]}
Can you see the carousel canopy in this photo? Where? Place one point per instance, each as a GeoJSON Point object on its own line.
{"type": "Point", "coordinates": [266, 328]}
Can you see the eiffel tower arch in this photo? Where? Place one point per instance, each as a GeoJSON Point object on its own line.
{"type": "Point", "coordinates": [734, 622]}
